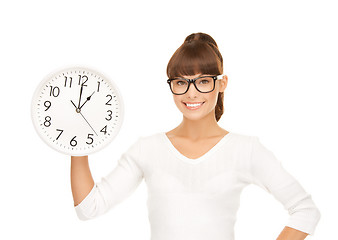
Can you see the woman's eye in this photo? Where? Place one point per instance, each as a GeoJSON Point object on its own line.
{"type": "Point", "coordinates": [181, 82]}
{"type": "Point", "coordinates": [204, 81]}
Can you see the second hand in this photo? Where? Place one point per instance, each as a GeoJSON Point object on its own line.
{"type": "Point", "coordinates": [88, 123]}
{"type": "Point", "coordinates": [79, 111]}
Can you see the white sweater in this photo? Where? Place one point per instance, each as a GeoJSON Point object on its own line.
{"type": "Point", "coordinates": [198, 198]}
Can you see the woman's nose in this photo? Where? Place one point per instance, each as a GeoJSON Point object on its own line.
{"type": "Point", "coordinates": [192, 91]}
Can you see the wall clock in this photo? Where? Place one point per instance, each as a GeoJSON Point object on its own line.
{"type": "Point", "coordinates": [77, 111]}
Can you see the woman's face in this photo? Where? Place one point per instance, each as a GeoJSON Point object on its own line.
{"type": "Point", "coordinates": [208, 100]}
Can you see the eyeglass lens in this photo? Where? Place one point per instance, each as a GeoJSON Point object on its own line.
{"type": "Point", "coordinates": [205, 84]}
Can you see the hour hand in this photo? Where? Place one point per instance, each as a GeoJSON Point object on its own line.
{"type": "Point", "coordinates": [88, 98]}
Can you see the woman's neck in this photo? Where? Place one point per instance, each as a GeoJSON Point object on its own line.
{"type": "Point", "coordinates": [199, 129]}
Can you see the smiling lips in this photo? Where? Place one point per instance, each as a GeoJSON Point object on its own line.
{"type": "Point", "coordinates": [193, 105]}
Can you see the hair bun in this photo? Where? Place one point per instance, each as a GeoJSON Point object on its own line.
{"type": "Point", "coordinates": [203, 37]}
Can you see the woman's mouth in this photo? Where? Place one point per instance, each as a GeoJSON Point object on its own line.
{"type": "Point", "coordinates": [193, 106]}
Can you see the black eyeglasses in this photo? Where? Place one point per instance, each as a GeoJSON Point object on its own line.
{"type": "Point", "coordinates": [203, 84]}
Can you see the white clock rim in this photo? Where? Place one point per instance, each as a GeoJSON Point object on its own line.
{"type": "Point", "coordinates": [76, 67]}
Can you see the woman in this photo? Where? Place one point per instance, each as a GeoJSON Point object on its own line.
{"type": "Point", "coordinates": [195, 172]}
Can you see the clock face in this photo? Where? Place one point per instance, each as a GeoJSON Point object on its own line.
{"type": "Point", "coordinates": [77, 111]}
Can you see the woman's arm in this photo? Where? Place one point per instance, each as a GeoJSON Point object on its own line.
{"type": "Point", "coordinates": [289, 233]}
{"type": "Point", "coordinates": [81, 178]}
{"type": "Point", "coordinates": [268, 172]}
{"type": "Point", "coordinates": [92, 199]}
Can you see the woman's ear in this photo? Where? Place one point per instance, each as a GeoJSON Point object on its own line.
{"type": "Point", "coordinates": [223, 83]}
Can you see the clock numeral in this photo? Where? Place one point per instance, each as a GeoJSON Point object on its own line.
{"type": "Point", "coordinates": [107, 103]}
{"type": "Point", "coordinates": [104, 130]}
{"type": "Point", "coordinates": [47, 122]}
{"type": "Point", "coordinates": [83, 81]}
{"type": "Point", "coordinates": [47, 104]}
{"type": "Point", "coordinates": [90, 137]}
{"type": "Point", "coordinates": [54, 91]}
{"type": "Point", "coordinates": [98, 86]}
{"type": "Point", "coordinates": [70, 82]}
{"type": "Point", "coordinates": [61, 131]}
{"type": "Point", "coordinates": [110, 115]}
{"type": "Point", "coordinates": [73, 142]}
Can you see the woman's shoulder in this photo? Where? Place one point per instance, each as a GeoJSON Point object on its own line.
{"type": "Point", "coordinates": [242, 137]}
{"type": "Point", "coordinates": [152, 137]}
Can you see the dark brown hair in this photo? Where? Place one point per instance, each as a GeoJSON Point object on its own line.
{"type": "Point", "coordinates": [198, 54]}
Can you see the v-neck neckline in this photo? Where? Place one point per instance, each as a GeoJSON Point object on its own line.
{"type": "Point", "coordinates": [178, 154]}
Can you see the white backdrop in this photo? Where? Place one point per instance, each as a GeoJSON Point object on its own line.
{"type": "Point", "coordinates": [281, 61]}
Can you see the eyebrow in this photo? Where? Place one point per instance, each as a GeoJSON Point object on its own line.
{"type": "Point", "coordinates": [202, 75]}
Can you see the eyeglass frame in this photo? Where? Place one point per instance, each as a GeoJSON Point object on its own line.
{"type": "Point", "coordinates": [217, 77]}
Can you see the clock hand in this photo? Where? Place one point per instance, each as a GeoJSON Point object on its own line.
{"type": "Point", "coordinates": [88, 123]}
{"type": "Point", "coordinates": [73, 104]}
{"type": "Point", "coordinates": [77, 109]}
{"type": "Point", "coordinates": [80, 95]}
{"type": "Point", "coordinates": [88, 98]}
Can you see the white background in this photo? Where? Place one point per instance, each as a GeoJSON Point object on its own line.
{"type": "Point", "coordinates": [281, 60]}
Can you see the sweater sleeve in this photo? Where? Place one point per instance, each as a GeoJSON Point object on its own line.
{"type": "Point", "coordinates": [268, 173]}
{"type": "Point", "coordinates": [120, 183]}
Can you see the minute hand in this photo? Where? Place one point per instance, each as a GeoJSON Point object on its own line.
{"type": "Point", "coordinates": [78, 106]}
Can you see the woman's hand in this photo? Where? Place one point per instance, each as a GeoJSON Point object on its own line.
{"type": "Point", "coordinates": [289, 233]}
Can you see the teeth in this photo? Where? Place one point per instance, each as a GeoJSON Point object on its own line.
{"type": "Point", "coordinates": [193, 105]}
